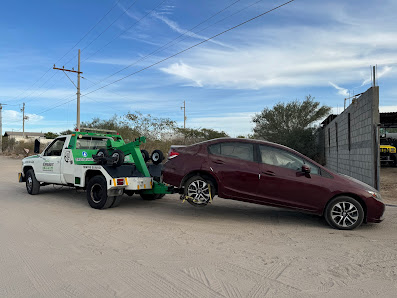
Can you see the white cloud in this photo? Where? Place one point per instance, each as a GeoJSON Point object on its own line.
{"type": "Point", "coordinates": [13, 117]}
{"type": "Point", "coordinates": [175, 27]}
{"type": "Point", "coordinates": [384, 71]}
{"type": "Point", "coordinates": [234, 124]}
{"type": "Point", "coordinates": [341, 91]}
{"type": "Point", "coordinates": [289, 56]}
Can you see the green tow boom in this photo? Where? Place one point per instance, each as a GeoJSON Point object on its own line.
{"type": "Point", "coordinates": [134, 150]}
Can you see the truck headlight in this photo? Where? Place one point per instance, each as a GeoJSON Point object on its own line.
{"type": "Point", "coordinates": [375, 195]}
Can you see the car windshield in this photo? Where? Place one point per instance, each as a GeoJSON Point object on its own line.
{"type": "Point", "coordinates": [91, 143]}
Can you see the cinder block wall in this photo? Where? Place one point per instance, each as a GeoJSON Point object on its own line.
{"type": "Point", "coordinates": [360, 158]}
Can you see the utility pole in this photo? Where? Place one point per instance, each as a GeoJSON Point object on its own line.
{"type": "Point", "coordinates": [23, 120]}
{"type": "Point", "coordinates": [77, 87]}
{"type": "Point", "coordinates": [184, 114]}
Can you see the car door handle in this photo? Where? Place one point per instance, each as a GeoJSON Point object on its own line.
{"type": "Point", "coordinates": [218, 161]}
{"type": "Point", "coordinates": [269, 173]}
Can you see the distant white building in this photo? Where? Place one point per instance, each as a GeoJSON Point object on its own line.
{"type": "Point", "coordinates": [29, 136]}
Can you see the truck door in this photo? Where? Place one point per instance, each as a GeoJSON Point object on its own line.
{"type": "Point", "coordinates": [49, 168]}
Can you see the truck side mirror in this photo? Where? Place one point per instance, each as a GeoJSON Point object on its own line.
{"type": "Point", "coordinates": [36, 146]}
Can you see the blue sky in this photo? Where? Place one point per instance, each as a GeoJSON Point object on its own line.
{"type": "Point", "coordinates": [322, 48]}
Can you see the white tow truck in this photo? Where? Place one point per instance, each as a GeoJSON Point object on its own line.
{"type": "Point", "coordinates": [102, 164]}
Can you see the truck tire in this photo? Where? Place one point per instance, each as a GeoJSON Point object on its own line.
{"type": "Point", "coordinates": [145, 155]}
{"type": "Point", "coordinates": [157, 157]}
{"type": "Point", "coordinates": [116, 201]}
{"type": "Point", "coordinates": [32, 185]}
{"type": "Point", "coordinates": [118, 157]}
{"type": "Point", "coordinates": [150, 197]}
{"type": "Point", "coordinates": [102, 153]}
{"type": "Point", "coordinates": [97, 195]}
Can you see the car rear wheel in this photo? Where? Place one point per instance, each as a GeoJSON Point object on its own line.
{"type": "Point", "coordinates": [344, 213]}
{"type": "Point", "coordinates": [199, 191]}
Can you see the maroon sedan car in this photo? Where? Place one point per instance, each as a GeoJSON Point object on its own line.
{"type": "Point", "coordinates": [270, 174]}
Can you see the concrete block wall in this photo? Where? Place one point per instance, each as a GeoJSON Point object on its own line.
{"type": "Point", "coordinates": [361, 160]}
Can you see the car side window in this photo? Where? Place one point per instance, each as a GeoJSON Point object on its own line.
{"type": "Point", "coordinates": [244, 151]}
{"type": "Point", "coordinates": [282, 158]}
{"type": "Point", "coordinates": [55, 148]}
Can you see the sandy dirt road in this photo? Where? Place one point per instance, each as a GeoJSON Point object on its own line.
{"type": "Point", "coordinates": [55, 245]}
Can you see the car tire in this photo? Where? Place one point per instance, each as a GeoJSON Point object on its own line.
{"type": "Point", "coordinates": [149, 197]}
{"type": "Point", "coordinates": [145, 155]}
{"type": "Point", "coordinates": [344, 213]}
{"type": "Point", "coordinates": [32, 185]}
{"type": "Point", "coordinates": [157, 157]}
{"type": "Point", "coordinates": [196, 191]}
{"type": "Point", "coordinates": [118, 157]}
{"type": "Point", "coordinates": [97, 195]}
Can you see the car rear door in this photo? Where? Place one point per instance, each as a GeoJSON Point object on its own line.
{"type": "Point", "coordinates": [282, 181]}
{"type": "Point", "coordinates": [236, 169]}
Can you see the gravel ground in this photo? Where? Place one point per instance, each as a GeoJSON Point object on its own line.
{"type": "Point", "coordinates": [55, 245]}
{"type": "Point", "coordinates": [388, 184]}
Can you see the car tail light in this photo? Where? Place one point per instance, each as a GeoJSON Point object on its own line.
{"type": "Point", "coordinates": [173, 154]}
{"type": "Point", "coordinates": [120, 181]}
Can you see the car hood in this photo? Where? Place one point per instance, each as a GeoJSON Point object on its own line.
{"type": "Point", "coordinates": [358, 183]}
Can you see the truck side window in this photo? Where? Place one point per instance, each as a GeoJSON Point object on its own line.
{"type": "Point", "coordinates": [55, 149]}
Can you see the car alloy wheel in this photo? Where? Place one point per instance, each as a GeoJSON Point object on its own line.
{"type": "Point", "coordinates": [344, 214]}
{"type": "Point", "coordinates": [198, 191]}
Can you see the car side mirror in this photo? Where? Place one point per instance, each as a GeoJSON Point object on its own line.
{"type": "Point", "coordinates": [36, 146]}
{"type": "Point", "coordinates": [306, 169]}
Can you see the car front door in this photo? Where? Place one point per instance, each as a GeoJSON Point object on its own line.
{"type": "Point", "coordinates": [236, 169]}
{"type": "Point", "coordinates": [282, 181]}
{"type": "Point", "coordinates": [49, 169]}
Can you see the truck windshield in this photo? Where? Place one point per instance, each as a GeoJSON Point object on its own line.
{"type": "Point", "coordinates": [91, 143]}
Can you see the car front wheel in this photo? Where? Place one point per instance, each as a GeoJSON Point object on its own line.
{"type": "Point", "coordinates": [344, 213]}
{"type": "Point", "coordinates": [199, 191]}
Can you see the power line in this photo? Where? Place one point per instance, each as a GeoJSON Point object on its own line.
{"type": "Point", "coordinates": [88, 33]}
{"type": "Point", "coordinates": [125, 30]}
{"type": "Point", "coordinates": [125, 10]}
{"type": "Point", "coordinates": [178, 53]}
{"type": "Point", "coordinates": [170, 43]}
{"type": "Point", "coordinates": [191, 47]}
{"type": "Point", "coordinates": [64, 55]}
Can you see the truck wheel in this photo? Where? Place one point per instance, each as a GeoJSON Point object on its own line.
{"type": "Point", "coordinates": [149, 197]}
{"type": "Point", "coordinates": [116, 201]}
{"type": "Point", "coordinates": [102, 153]}
{"type": "Point", "coordinates": [197, 191]}
{"type": "Point", "coordinates": [344, 213]}
{"type": "Point", "coordinates": [157, 157]}
{"type": "Point", "coordinates": [97, 195]}
{"type": "Point", "coordinates": [32, 185]}
{"type": "Point", "coordinates": [118, 157]}
{"type": "Point", "coordinates": [145, 155]}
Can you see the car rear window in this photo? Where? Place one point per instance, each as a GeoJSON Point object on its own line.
{"type": "Point", "coordinates": [243, 151]}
